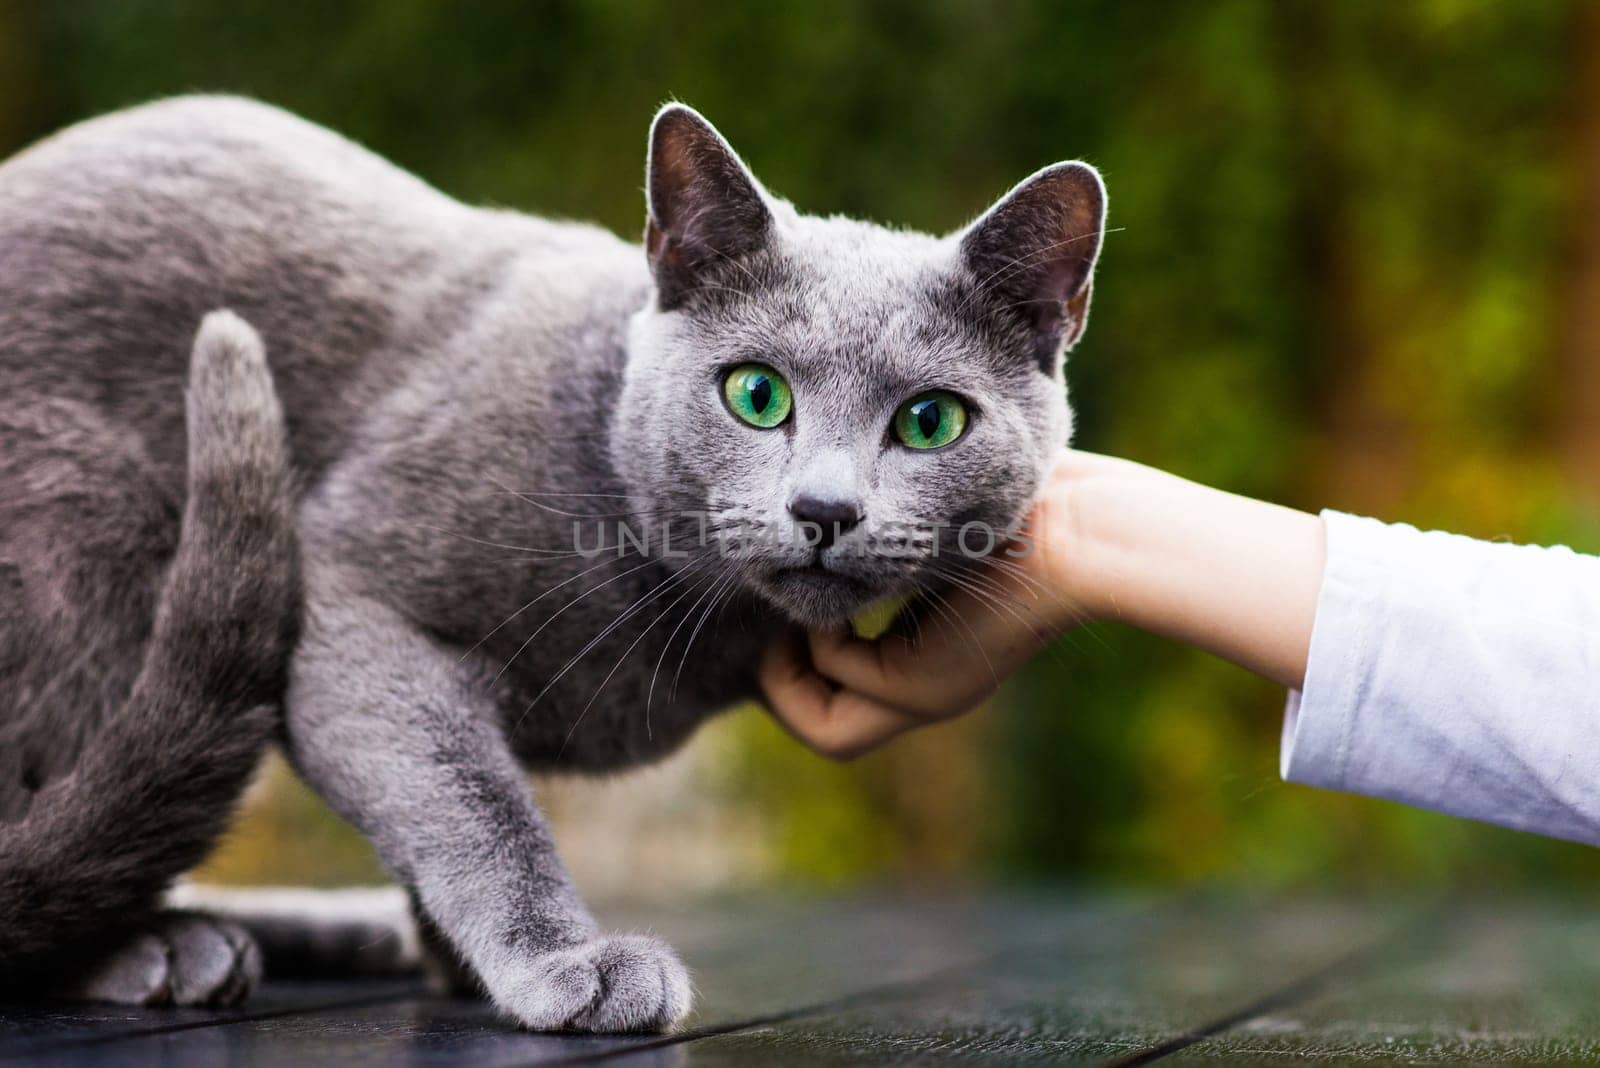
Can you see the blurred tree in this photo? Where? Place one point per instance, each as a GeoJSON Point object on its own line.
{"type": "Point", "coordinates": [1577, 368]}
{"type": "Point", "coordinates": [1339, 274]}
{"type": "Point", "coordinates": [21, 87]}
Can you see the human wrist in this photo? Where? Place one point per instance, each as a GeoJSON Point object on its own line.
{"type": "Point", "coordinates": [1234, 576]}
{"type": "Point", "coordinates": [1084, 533]}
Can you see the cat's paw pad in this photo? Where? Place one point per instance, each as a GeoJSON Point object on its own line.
{"type": "Point", "coordinates": [182, 960]}
{"type": "Point", "coordinates": [611, 984]}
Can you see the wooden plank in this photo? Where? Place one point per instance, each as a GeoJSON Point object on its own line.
{"type": "Point", "coordinates": [778, 958]}
{"type": "Point", "coordinates": [417, 1031]}
{"type": "Point", "coordinates": [1508, 983]}
{"type": "Point", "coordinates": [998, 979]}
{"type": "Point", "coordinates": [753, 961]}
{"type": "Point", "coordinates": [26, 1029]}
{"type": "Point", "coordinates": [1118, 992]}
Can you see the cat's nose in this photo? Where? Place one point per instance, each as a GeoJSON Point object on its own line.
{"type": "Point", "coordinates": [834, 516]}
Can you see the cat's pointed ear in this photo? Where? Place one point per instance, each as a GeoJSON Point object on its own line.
{"type": "Point", "coordinates": [705, 207]}
{"type": "Point", "coordinates": [1032, 255]}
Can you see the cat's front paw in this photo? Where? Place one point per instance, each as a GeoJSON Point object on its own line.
{"type": "Point", "coordinates": [612, 983]}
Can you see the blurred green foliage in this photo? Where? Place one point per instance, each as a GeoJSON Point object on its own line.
{"type": "Point", "coordinates": [1338, 266]}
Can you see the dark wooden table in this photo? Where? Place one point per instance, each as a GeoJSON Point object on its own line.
{"type": "Point", "coordinates": [987, 978]}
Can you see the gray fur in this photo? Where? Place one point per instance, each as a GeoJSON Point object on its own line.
{"type": "Point", "coordinates": [461, 387]}
{"type": "Point", "coordinates": [143, 653]}
{"type": "Point", "coordinates": [178, 959]}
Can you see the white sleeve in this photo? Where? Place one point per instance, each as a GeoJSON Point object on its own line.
{"type": "Point", "coordinates": [1455, 675]}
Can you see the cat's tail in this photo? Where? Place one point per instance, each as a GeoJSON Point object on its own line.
{"type": "Point", "coordinates": [156, 784]}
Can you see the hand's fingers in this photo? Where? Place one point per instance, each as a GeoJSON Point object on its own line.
{"type": "Point", "coordinates": [982, 632]}
{"type": "Point", "coordinates": [945, 671]}
{"type": "Point", "coordinates": [857, 664]}
{"type": "Point", "coordinates": [834, 722]}
{"type": "Point", "coordinates": [853, 725]}
{"type": "Point", "coordinates": [795, 693]}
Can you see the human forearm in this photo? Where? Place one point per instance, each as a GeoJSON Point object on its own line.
{"type": "Point", "coordinates": [1235, 576]}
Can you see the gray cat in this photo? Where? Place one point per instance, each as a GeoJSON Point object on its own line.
{"type": "Point", "coordinates": [454, 493]}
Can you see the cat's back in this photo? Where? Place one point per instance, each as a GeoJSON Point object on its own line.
{"type": "Point", "coordinates": [217, 197]}
{"type": "Point", "coordinates": [118, 234]}
{"type": "Point", "coordinates": [195, 158]}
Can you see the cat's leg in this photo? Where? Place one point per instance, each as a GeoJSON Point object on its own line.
{"type": "Point", "coordinates": [304, 933]}
{"type": "Point", "coordinates": [403, 742]}
{"type": "Point", "coordinates": [181, 958]}
{"type": "Point", "coordinates": [447, 970]}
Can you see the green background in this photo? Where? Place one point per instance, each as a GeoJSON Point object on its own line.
{"type": "Point", "coordinates": [1350, 267]}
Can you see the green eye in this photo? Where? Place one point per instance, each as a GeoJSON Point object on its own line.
{"type": "Point", "coordinates": [758, 395]}
{"type": "Point", "coordinates": [931, 420]}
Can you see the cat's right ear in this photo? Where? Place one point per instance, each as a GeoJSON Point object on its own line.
{"type": "Point", "coordinates": [1032, 255]}
{"type": "Point", "coordinates": [704, 205]}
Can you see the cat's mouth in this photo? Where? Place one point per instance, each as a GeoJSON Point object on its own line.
{"type": "Point", "coordinates": [816, 594]}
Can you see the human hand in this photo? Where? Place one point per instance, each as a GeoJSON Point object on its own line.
{"type": "Point", "coordinates": [1106, 539]}
{"type": "Point", "coordinates": [843, 695]}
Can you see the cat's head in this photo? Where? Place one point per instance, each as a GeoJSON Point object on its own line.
{"type": "Point", "coordinates": [839, 400]}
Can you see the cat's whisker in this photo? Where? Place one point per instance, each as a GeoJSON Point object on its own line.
{"type": "Point", "coordinates": [721, 612]}
{"type": "Point", "coordinates": [578, 435]}
{"type": "Point", "coordinates": [1037, 626]}
{"type": "Point", "coordinates": [615, 668]}
{"type": "Point", "coordinates": [650, 518]}
{"type": "Point", "coordinates": [1005, 577]}
{"type": "Point", "coordinates": [1005, 272]}
{"type": "Point", "coordinates": [564, 493]}
{"type": "Point", "coordinates": [528, 498]}
{"type": "Point", "coordinates": [532, 551]}
{"type": "Point", "coordinates": [649, 562]}
{"type": "Point", "coordinates": [917, 634]}
{"type": "Point", "coordinates": [948, 612]}
{"type": "Point", "coordinates": [564, 582]}
{"type": "Point", "coordinates": [724, 585]}
{"type": "Point", "coordinates": [1075, 613]}
{"type": "Point", "coordinates": [1081, 620]}
{"type": "Point", "coordinates": [654, 675]}
{"type": "Point", "coordinates": [624, 616]}
{"type": "Point", "coordinates": [1043, 632]}
{"type": "Point", "coordinates": [998, 588]}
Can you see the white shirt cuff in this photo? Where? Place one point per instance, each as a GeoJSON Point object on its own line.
{"type": "Point", "coordinates": [1319, 719]}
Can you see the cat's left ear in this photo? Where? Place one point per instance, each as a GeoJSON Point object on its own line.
{"type": "Point", "coordinates": [705, 207]}
{"type": "Point", "coordinates": [1032, 255]}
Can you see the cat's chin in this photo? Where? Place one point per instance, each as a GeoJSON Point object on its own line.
{"type": "Point", "coordinates": [816, 597]}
